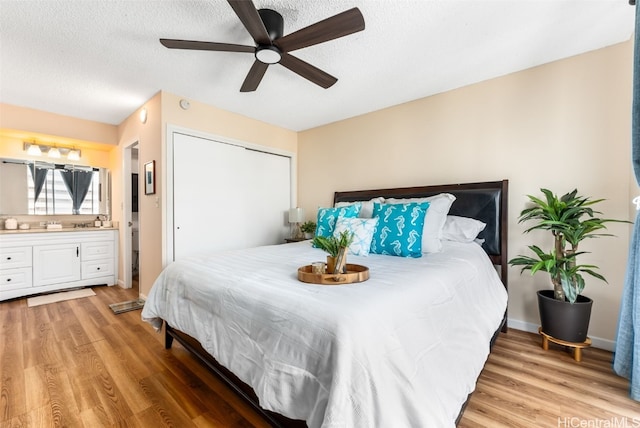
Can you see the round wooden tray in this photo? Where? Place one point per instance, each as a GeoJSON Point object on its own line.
{"type": "Point", "coordinates": [355, 273]}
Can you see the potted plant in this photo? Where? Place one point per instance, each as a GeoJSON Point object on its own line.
{"type": "Point", "coordinates": [308, 228]}
{"type": "Point", "coordinates": [564, 311]}
{"type": "Point", "coordinates": [336, 247]}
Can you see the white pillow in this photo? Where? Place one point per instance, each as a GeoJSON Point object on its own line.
{"type": "Point", "coordinates": [362, 229]}
{"type": "Point", "coordinates": [461, 229]}
{"type": "Point", "coordinates": [366, 211]}
{"type": "Point", "coordinates": [439, 206]}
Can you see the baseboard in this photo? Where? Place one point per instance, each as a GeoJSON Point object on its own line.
{"type": "Point", "coordinates": [596, 342]}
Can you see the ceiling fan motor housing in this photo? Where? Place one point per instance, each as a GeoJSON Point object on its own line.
{"type": "Point", "coordinates": [273, 23]}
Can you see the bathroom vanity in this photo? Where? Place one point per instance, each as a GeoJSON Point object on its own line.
{"type": "Point", "coordinates": [39, 261]}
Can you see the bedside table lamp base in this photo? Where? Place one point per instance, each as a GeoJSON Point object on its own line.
{"type": "Point", "coordinates": [296, 217]}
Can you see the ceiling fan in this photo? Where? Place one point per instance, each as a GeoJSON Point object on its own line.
{"type": "Point", "coordinates": [266, 27]}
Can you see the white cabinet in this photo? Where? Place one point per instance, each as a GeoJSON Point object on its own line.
{"type": "Point", "coordinates": [97, 259]}
{"type": "Point", "coordinates": [39, 262]}
{"type": "Point", "coordinates": [15, 268]}
{"type": "Point", "coordinates": [53, 264]}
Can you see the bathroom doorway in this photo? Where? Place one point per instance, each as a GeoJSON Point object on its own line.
{"type": "Point", "coordinates": [135, 236]}
{"type": "Point", "coordinates": [131, 224]}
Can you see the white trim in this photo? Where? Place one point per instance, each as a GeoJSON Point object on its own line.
{"type": "Point", "coordinates": [167, 178]}
{"type": "Point", "coordinates": [597, 342]}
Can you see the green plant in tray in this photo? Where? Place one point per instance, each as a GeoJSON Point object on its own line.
{"type": "Point", "coordinates": [333, 244]}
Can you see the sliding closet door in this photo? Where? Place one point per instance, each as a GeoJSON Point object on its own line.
{"type": "Point", "coordinates": [269, 197]}
{"type": "Point", "coordinates": [226, 196]}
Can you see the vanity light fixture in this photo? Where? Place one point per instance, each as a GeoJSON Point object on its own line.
{"type": "Point", "coordinates": [54, 152]}
{"type": "Point", "coordinates": [73, 154]}
{"type": "Point", "coordinates": [33, 149]}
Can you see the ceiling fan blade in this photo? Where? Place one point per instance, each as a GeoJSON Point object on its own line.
{"type": "Point", "coordinates": [307, 71]}
{"type": "Point", "coordinates": [251, 20]}
{"type": "Point", "coordinates": [342, 24]}
{"type": "Point", "coordinates": [205, 46]}
{"type": "Point", "coordinates": [254, 77]}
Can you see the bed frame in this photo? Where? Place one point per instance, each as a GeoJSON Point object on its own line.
{"type": "Point", "coordinates": [486, 201]}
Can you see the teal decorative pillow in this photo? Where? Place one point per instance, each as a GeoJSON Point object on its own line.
{"type": "Point", "coordinates": [327, 218]}
{"type": "Point", "coordinates": [399, 229]}
{"type": "Point", "coordinates": [362, 229]}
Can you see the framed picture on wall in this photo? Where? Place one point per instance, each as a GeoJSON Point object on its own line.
{"type": "Point", "coordinates": [150, 178]}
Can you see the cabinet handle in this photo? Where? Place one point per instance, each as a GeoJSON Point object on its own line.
{"type": "Point", "coordinates": [77, 251]}
{"type": "Point", "coordinates": [8, 258]}
{"type": "Point", "coordinates": [98, 268]}
{"type": "Point", "coordinates": [8, 279]}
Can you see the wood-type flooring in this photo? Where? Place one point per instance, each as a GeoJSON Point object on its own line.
{"type": "Point", "coordinates": [76, 364]}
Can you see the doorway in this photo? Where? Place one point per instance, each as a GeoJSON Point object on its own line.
{"type": "Point", "coordinates": [131, 224]}
{"type": "Point", "coordinates": [135, 235]}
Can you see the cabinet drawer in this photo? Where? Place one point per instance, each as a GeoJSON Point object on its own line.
{"type": "Point", "coordinates": [15, 257]}
{"type": "Point", "coordinates": [99, 250]}
{"type": "Point", "coordinates": [97, 268]}
{"type": "Point", "coordinates": [11, 279]}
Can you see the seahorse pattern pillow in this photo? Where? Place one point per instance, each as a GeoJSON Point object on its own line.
{"type": "Point", "coordinates": [399, 230]}
{"type": "Point", "coordinates": [439, 206]}
{"type": "Point", "coordinates": [327, 218]}
{"type": "Point", "coordinates": [362, 229]}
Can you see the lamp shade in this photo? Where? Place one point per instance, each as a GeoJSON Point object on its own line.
{"type": "Point", "coordinates": [54, 153]}
{"type": "Point", "coordinates": [296, 215]}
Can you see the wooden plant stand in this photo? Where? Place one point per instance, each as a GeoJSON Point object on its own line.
{"type": "Point", "coordinates": [575, 347]}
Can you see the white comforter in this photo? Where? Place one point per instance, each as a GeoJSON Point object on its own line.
{"type": "Point", "coordinates": [403, 349]}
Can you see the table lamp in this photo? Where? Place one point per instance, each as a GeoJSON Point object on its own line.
{"type": "Point", "coordinates": [296, 216]}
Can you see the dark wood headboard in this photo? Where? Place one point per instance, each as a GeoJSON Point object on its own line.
{"type": "Point", "coordinates": [486, 202]}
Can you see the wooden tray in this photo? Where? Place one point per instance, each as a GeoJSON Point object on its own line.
{"type": "Point", "coordinates": [355, 273]}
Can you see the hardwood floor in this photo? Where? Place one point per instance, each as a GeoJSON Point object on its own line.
{"type": "Point", "coordinates": [76, 364]}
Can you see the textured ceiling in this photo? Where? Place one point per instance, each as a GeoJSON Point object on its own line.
{"type": "Point", "coordinates": [100, 60]}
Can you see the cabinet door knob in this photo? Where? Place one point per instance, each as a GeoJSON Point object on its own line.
{"type": "Point", "coordinates": [8, 258]}
{"type": "Point", "coordinates": [98, 268]}
{"type": "Point", "coordinates": [8, 279]}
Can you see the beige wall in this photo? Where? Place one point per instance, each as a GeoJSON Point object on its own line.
{"type": "Point", "coordinates": [163, 110]}
{"type": "Point", "coordinates": [17, 125]}
{"type": "Point", "coordinates": [103, 145]}
{"type": "Point", "coordinates": [559, 126]}
{"type": "Point", "coordinates": [148, 137]}
{"type": "Point", "coordinates": [33, 122]}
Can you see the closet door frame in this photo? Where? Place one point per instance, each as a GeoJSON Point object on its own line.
{"type": "Point", "coordinates": [168, 191]}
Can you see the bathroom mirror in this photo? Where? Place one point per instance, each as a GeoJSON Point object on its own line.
{"type": "Point", "coordinates": [43, 188]}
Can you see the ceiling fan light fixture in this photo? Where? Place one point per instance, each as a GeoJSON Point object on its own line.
{"type": "Point", "coordinates": [268, 54]}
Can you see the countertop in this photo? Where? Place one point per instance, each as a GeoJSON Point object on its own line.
{"type": "Point", "coordinates": [64, 229]}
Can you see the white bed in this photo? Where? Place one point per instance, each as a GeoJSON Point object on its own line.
{"type": "Point", "coordinates": [402, 349]}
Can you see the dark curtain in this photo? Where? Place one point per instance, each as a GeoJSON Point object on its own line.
{"type": "Point", "coordinates": [39, 176]}
{"type": "Point", "coordinates": [77, 184]}
{"type": "Point", "coordinates": [626, 360]}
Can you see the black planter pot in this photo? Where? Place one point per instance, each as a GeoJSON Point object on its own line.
{"type": "Point", "coordinates": [564, 320]}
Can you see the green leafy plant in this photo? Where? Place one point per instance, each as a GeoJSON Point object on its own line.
{"type": "Point", "coordinates": [308, 227]}
{"type": "Point", "coordinates": [333, 244]}
{"type": "Point", "coordinates": [570, 219]}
